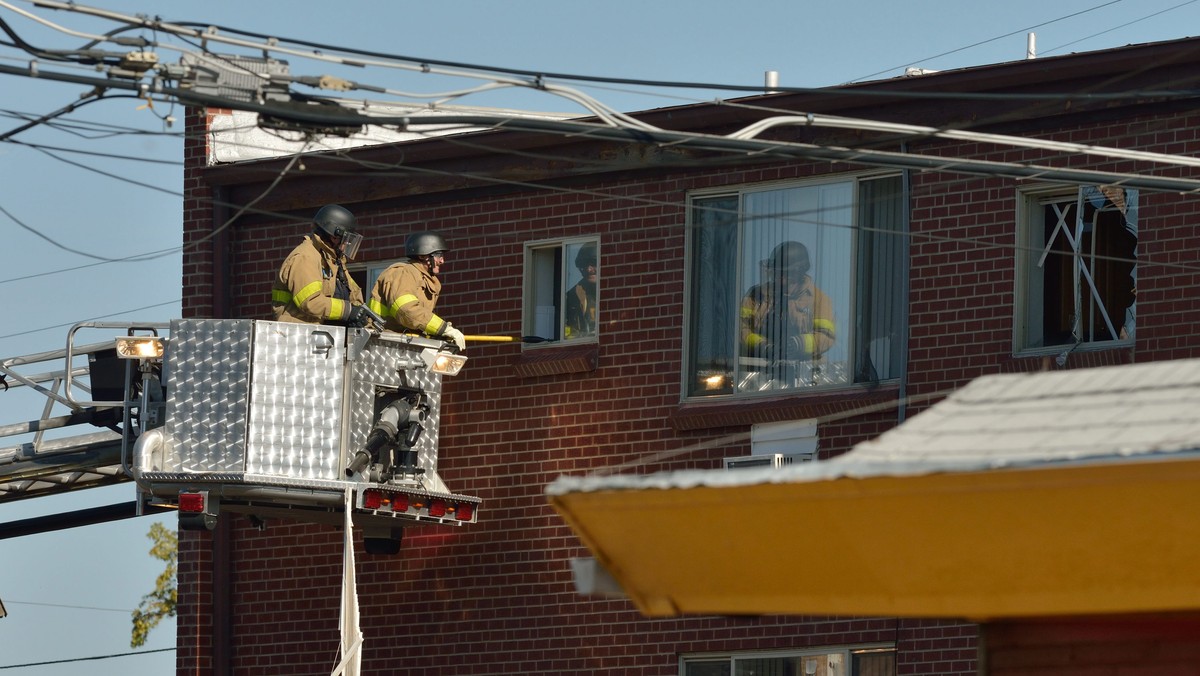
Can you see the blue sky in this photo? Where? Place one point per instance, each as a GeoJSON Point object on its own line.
{"type": "Point", "coordinates": [69, 593]}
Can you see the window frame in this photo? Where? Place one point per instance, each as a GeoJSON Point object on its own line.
{"type": "Point", "coordinates": [372, 269]}
{"type": "Point", "coordinates": [846, 317]}
{"type": "Point", "coordinates": [847, 651]}
{"type": "Point", "coordinates": [1032, 201]}
{"type": "Point", "coordinates": [568, 276]}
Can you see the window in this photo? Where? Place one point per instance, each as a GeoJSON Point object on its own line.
{"type": "Point", "coordinates": [562, 290]}
{"type": "Point", "coordinates": [796, 286]}
{"type": "Point", "coordinates": [859, 661]}
{"type": "Point", "coordinates": [365, 274]}
{"type": "Point", "coordinates": [1077, 271]}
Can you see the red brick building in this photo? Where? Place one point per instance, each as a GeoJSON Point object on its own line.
{"type": "Point", "coordinates": [936, 271]}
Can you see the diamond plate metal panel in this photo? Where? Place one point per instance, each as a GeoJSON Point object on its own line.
{"type": "Point", "coordinates": [390, 364]}
{"type": "Point", "coordinates": [207, 368]}
{"type": "Point", "coordinates": [295, 401]}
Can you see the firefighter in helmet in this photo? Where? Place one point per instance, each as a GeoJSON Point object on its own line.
{"type": "Point", "coordinates": [580, 304]}
{"type": "Point", "coordinates": [407, 292]}
{"type": "Point", "coordinates": [313, 286]}
{"type": "Point", "coordinates": [787, 316]}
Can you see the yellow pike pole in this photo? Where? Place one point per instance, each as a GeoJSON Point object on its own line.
{"type": "Point", "coordinates": [507, 339]}
{"type": "Point", "coordinates": [489, 339]}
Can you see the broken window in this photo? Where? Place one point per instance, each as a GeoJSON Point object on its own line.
{"type": "Point", "coordinates": [1077, 267]}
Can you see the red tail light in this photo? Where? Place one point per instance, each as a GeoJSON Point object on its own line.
{"type": "Point", "coordinates": [465, 511]}
{"type": "Point", "coordinates": [373, 499]}
{"type": "Point", "coordinates": [193, 503]}
{"type": "Point", "coordinates": [437, 508]}
{"type": "Point", "coordinates": [399, 502]}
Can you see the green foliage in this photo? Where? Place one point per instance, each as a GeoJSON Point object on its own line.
{"type": "Point", "coordinates": [159, 603]}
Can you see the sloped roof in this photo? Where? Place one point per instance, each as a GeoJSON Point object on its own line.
{"type": "Point", "coordinates": [1006, 420]}
{"type": "Point", "coordinates": [1055, 493]}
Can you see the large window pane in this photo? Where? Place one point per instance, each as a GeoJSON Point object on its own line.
{"type": "Point", "coordinates": [713, 284]}
{"type": "Point", "coordinates": [562, 291]}
{"type": "Point", "coordinates": [882, 249]}
{"type": "Point", "coordinates": [776, 288]}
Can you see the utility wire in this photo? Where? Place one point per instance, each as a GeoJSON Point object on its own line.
{"type": "Point", "coordinates": [87, 659]}
{"type": "Point", "coordinates": [223, 226]}
{"type": "Point", "coordinates": [1116, 28]}
{"type": "Point", "coordinates": [92, 153]}
{"type": "Point", "coordinates": [70, 607]}
{"type": "Point", "coordinates": [90, 319]}
{"type": "Point", "coordinates": [86, 254]}
{"type": "Point", "coordinates": [984, 42]}
{"type": "Point", "coordinates": [536, 79]}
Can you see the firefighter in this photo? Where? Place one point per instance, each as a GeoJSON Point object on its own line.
{"type": "Point", "coordinates": [407, 292]}
{"type": "Point", "coordinates": [580, 303]}
{"type": "Point", "coordinates": [786, 316]}
{"type": "Point", "coordinates": [313, 286]}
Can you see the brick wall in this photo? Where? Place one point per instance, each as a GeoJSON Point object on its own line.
{"type": "Point", "coordinates": [496, 597]}
{"type": "Point", "coordinates": [1117, 646]}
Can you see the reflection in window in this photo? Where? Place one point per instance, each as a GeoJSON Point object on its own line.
{"type": "Point", "coordinates": [795, 287]}
{"type": "Point", "coordinates": [1078, 267]}
{"type": "Point", "coordinates": [562, 290]}
{"type": "Point", "coordinates": [859, 661]}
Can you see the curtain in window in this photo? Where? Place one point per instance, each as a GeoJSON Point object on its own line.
{"type": "Point", "coordinates": [882, 245]}
{"type": "Point", "coordinates": [713, 328]}
{"type": "Point", "coordinates": [796, 287]}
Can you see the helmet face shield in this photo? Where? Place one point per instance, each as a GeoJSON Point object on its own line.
{"type": "Point", "coordinates": [350, 244]}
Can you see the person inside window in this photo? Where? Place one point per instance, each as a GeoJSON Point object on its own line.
{"type": "Point", "coordinates": [579, 306]}
{"type": "Point", "coordinates": [786, 317]}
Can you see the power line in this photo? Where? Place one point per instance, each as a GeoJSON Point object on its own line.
{"type": "Point", "coordinates": [984, 42]}
{"type": "Point", "coordinates": [87, 659]}
{"type": "Point", "coordinates": [535, 79]}
{"type": "Point", "coordinates": [67, 606]}
{"type": "Point", "coordinates": [1116, 28]}
{"type": "Point", "coordinates": [90, 319]}
{"type": "Point", "coordinates": [92, 153]}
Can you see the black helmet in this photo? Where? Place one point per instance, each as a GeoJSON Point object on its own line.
{"type": "Point", "coordinates": [423, 244]}
{"type": "Point", "coordinates": [789, 256]}
{"type": "Point", "coordinates": [335, 223]}
{"type": "Point", "coordinates": [334, 220]}
{"type": "Point", "coordinates": [586, 256]}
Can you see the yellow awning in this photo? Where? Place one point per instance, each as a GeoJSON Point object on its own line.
{"type": "Point", "coordinates": [1068, 539]}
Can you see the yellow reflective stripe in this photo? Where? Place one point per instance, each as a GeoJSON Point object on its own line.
{"type": "Point", "coordinates": [434, 327]}
{"type": "Point", "coordinates": [754, 340]}
{"type": "Point", "coordinates": [281, 296]}
{"type": "Point", "coordinates": [810, 342]}
{"type": "Point", "coordinates": [824, 326]}
{"type": "Point", "coordinates": [402, 301]}
{"type": "Point", "coordinates": [307, 292]}
{"type": "Point", "coordinates": [378, 308]}
{"type": "Point", "coordinates": [335, 308]}
{"type": "Point", "coordinates": [747, 312]}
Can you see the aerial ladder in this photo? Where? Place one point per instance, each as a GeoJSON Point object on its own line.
{"type": "Point", "coordinates": [265, 419]}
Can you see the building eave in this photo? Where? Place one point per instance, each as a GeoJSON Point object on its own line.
{"type": "Point", "coordinates": [1069, 539]}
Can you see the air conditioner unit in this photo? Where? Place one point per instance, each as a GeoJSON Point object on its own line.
{"type": "Point", "coordinates": [768, 460]}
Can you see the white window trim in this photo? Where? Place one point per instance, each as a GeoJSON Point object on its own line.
{"type": "Point", "coordinates": [527, 301]}
{"type": "Point", "coordinates": [737, 190]}
{"type": "Point", "coordinates": [1030, 200]}
{"type": "Point", "coordinates": [847, 650]}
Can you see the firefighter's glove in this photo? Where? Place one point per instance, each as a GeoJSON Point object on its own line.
{"type": "Point", "coordinates": [453, 335]}
{"type": "Point", "coordinates": [359, 317]}
{"type": "Point", "coordinates": [800, 347]}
